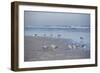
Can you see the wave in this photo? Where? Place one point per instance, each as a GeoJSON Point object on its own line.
{"type": "Point", "coordinates": [56, 26]}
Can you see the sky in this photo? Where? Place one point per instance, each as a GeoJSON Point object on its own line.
{"type": "Point", "coordinates": [33, 18]}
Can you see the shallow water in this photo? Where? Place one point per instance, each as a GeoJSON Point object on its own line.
{"type": "Point", "coordinates": [66, 33]}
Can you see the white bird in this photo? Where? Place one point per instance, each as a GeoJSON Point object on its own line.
{"type": "Point", "coordinates": [35, 35]}
{"type": "Point", "coordinates": [45, 47]}
{"type": "Point", "coordinates": [69, 46]}
{"type": "Point", "coordinates": [74, 46]}
{"type": "Point", "coordinates": [53, 46]}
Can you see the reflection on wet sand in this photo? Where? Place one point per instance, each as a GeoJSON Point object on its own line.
{"type": "Point", "coordinates": [39, 48]}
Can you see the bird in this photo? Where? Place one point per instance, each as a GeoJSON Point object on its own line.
{"type": "Point", "coordinates": [69, 46]}
{"type": "Point", "coordinates": [84, 46]}
{"type": "Point", "coordinates": [74, 46]}
{"type": "Point", "coordinates": [53, 46]}
{"type": "Point", "coordinates": [45, 47]}
{"type": "Point", "coordinates": [35, 35]}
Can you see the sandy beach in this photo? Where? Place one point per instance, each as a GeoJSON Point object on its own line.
{"type": "Point", "coordinates": [34, 51]}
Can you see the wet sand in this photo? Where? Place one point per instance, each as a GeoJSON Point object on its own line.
{"type": "Point", "coordinates": [34, 51]}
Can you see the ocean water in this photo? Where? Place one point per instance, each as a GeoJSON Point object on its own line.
{"type": "Point", "coordinates": [76, 34]}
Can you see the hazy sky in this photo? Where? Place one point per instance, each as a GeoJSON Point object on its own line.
{"type": "Point", "coordinates": [32, 18]}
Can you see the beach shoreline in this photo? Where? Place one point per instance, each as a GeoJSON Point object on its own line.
{"type": "Point", "coordinates": [44, 49]}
